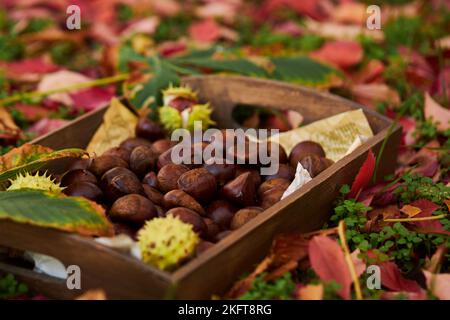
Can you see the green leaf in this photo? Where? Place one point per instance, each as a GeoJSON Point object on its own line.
{"type": "Point", "coordinates": [30, 158]}
{"type": "Point", "coordinates": [241, 66]}
{"type": "Point", "coordinates": [302, 70]}
{"type": "Point", "coordinates": [57, 211]}
{"type": "Point", "coordinates": [163, 76]}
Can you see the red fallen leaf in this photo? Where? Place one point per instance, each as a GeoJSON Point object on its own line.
{"type": "Point", "coordinates": [32, 112]}
{"type": "Point", "coordinates": [379, 194]}
{"type": "Point", "coordinates": [371, 93]}
{"type": "Point", "coordinates": [371, 72]}
{"type": "Point", "coordinates": [425, 161]}
{"type": "Point", "coordinates": [439, 284]}
{"type": "Point", "coordinates": [408, 126]}
{"type": "Point", "coordinates": [364, 175]}
{"type": "Point", "coordinates": [328, 262]}
{"type": "Point", "coordinates": [147, 25]}
{"type": "Point", "coordinates": [426, 206]}
{"type": "Point", "coordinates": [418, 70]}
{"type": "Point", "coordinates": [289, 247]}
{"type": "Point", "coordinates": [441, 86]}
{"type": "Point", "coordinates": [91, 99]}
{"type": "Point", "coordinates": [392, 278]}
{"type": "Point", "coordinates": [351, 13]}
{"type": "Point", "coordinates": [430, 227]}
{"type": "Point", "coordinates": [46, 125]}
{"type": "Point", "coordinates": [170, 48]}
{"type": "Point", "coordinates": [27, 69]}
{"type": "Point", "coordinates": [316, 9]}
{"type": "Point", "coordinates": [289, 28]}
{"type": "Point", "coordinates": [342, 54]}
{"type": "Point", "coordinates": [360, 265]}
{"type": "Point", "coordinates": [437, 113]}
{"type": "Point", "coordinates": [205, 31]}
{"type": "Point", "coordinates": [377, 216]}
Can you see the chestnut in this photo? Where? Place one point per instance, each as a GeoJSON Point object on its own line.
{"type": "Point", "coordinates": [212, 228]}
{"type": "Point", "coordinates": [179, 198]}
{"type": "Point", "coordinates": [84, 189]}
{"type": "Point", "coordinates": [273, 183]}
{"type": "Point", "coordinates": [285, 171]}
{"type": "Point", "coordinates": [304, 149]}
{"type": "Point", "coordinates": [142, 160]}
{"type": "Point", "coordinates": [222, 172]}
{"type": "Point", "coordinates": [121, 185]}
{"type": "Point", "coordinates": [119, 152]}
{"type": "Point", "coordinates": [78, 175]}
{"type": "Point", "coordinates": [131, 143]}
{"type": "Point", "coordinates": [222, 235]}
{"type": "Point", "coordinates": [123, 228]}
{"type": "Point", "coordinates": [153, 194]}
{"type": "Point", "coordinates": [241, 190]}
{"type": "Point", "coordinates": [199, 183]}
{"type": "Point", "coordinates": [254, 174]}
{"type": "Point", "coordinates": [272, 196]}
{"type": "Point", "coordinates": [221, 212]}
{"type": "Point", "coordinates": [160, 211]}
{"type": "Point", "coordinates": [149, 130]}
{"type": "Point", "coordinates": [164, 158]}
{"type": "Point", "coordinates": [104, 163]}
{"type": "Point", "coordinates": [168, 176]}
{"type": "Point", "coordinates": [191, 217]}
{"type": "Point", "coordinates": [282, 156]}
{"type": "Point", "coordinates": [132, 208]}
{"type": "Point", "coordinates": [82, 164]}
{"type": "Point", "coordinates": [243, 216]}
{"type": "Point", "coordinates": [202, 246]}
{"type": "Point", "coordinates": [313, 164]}
{"type": "Point", "coordinates": [162, 145]}
{"type": "Point", "coordinates": [111, 173]}
{"type": "Point", "coordinates": [150, 179]}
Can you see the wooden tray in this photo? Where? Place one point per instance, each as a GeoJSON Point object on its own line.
{"type": "Point", "coordinates": [123, 277]}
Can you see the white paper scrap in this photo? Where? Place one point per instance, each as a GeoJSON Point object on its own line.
{"type": "Point", "coordinates": [301, 177]}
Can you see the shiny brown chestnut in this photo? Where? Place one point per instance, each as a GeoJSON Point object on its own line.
{"type": "Point", "coordinates": [168, 176]}
{"type": "Point", "coordinates": [150, 179]}
{"type": "Point", "coordinates": [153, 194]}
{"type": "Point", "coordinates": [284, 171]}
{"type": "Point", "coordinates": [314, 164]}
{"type": "Point", "coordinates": [203, 246]}
{"type": "Point", "coordinates": [131, 143]}
{"type": "Point", "coordinates": [221, 212]}
{"type": "Point", "coordinates": [273, 183]}
{"type": "Point", "coordinates": [149, 130]}
{"type": "Point", "coordinates": [222, 235]}
{"type": "Point", "coordinates": [212, 228]}
{"type": "Point", "coordinates": [191, 217]}
{"type": "Point", "coordinates": [162, 145]}
{"type": "Point", "coordinates": [222, 172]}
{"type": "Point", "coordinates": [119, 152]}
{"type": "Point", "coordinates": [104, 163]}
{"type": "Point", "coordinates": [199, 183]}
{"type": "Point", "coordinates": [241, 190]}
{"type": "Point", "coordinates": [78, 175]}
{"type": "Point", "coordinates": [142, 160]}
{"type": "Point", "coordinates": [272, 196]}
{"type": "Point", "coordinates": [132, 208]}
{"type": "Point", "coordinates": [304, 149]}
{"type": "Point", "coordinates": [179, 198]}
{"type": "Point", "coordinates": [84, 189]}
{"type": "Point", "coordinates": [243, 216]}
{"type": "Point", "coordinates": [254, 174]}
{"type": "Point", "coordinates": [121, 185]}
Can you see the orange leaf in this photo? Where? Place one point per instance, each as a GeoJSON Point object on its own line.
{"type": "Point", "coordinates": [411, 211]}
{"type": "Point", "coordinates": [311, 292]}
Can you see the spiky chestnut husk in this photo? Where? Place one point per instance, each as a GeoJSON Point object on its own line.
{"type": "Point", "coordinates": [165, 242]}
{"type": "Point", "coordinates": [172, 119]}
{"type": "Point", "coordinates": [38, 182]}
{"type": "Point", "coordinates": [202, 113]}
{"type": "Point", "coordinates": [172, 93]}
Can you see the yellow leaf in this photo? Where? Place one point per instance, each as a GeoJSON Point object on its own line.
{"type": "Point", "coordinates": [411, 211]}
{"type": "Point", "coordinates": [118, 124]}
{"type": "Point", "coordinates": [311, 292]}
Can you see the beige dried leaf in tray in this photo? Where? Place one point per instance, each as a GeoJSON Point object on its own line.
{"type": "Point", "coordinates": [336, 134]}
{"type": "Point", "coordinates": [118, 124]}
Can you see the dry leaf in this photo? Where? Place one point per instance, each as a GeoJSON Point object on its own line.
{"type": "Point", "coordinates": [437, 113]}
{"type": "Point", "coordinates": [8, 128]}
{"type": "Point", "coordinates": [118, 124]}
{"type": "Point", "coordinates": [93, 294]}
{"type": "Point", "coordinates": [439, 284]}
{"type": "Point", "coordinates": [411, 211]}
{"type": "Point", "coordinates": [311, 292]}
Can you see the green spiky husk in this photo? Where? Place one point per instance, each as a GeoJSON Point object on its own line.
{"type": "Point", "coordinates": [202, 113]}
{"type": "Point", "coordinates": [165, 242]}
{"type": "Point", "coordinates": [37, 182]}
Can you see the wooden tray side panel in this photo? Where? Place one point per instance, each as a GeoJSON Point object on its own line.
{"type": "Point", "coordinates": [242, 250]}
{"type": "Point", "coordinates": [121, 276]}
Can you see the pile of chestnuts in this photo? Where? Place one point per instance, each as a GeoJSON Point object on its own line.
{"type": "Point", "coordinates": [137, 181]}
